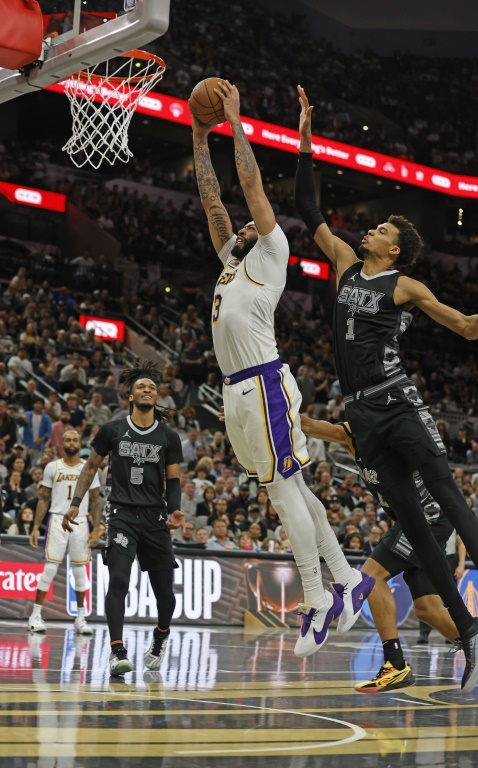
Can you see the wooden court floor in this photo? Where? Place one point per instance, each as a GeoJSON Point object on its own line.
{"type": "Point", "coordinates": [227, 698]}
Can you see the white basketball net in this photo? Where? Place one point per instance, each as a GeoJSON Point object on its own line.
{"type": "Point", "coordinates": [102, 108]}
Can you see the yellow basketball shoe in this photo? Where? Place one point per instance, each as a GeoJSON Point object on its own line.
{"type": "Point", "coordinates": [387, 679]}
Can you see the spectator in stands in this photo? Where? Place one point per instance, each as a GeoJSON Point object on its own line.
{"type": "Point", "coordinates": [185, 534]}
{"type": "Point", "coordinates": [272, 521]}
{"type": "Point", "coordinates": [461, 445]}
{"type": "Point", "coordinates": [8, 427]}
{"type": "Point", "coordinates": [368, 520]}
{"type": "Point", "coordinates": [207, 506]}
{"type": "Point", "coordinates": [23, 524]}
{"type": "Point", "coordinates": [31, 491]}
{"type": "Point", "coordinates": [373, 539]}
{"type": "Point", "coordinates": [37, 428]}
{"type": "Point", "coordinates": [77, 414]}
{"type": "Point", "coordinates": [188, 499]}
{"type": "Point", "coordinates": [164, 397]}
{"type": "Point", "coordinates": [26, 397]}
{"type": "Point", "coordinates": [13, 495]}
{"type": "Point", "coordinates": [256, 533]}
{"type": "Point", "coordinates": [25, 477]}
{"type": "Point", "coordinates": [355, 499]}
{"type": "Point", "coordinates": [244, 542]}
{"type": "Point", "coordinates": [219, 511]}
{"type": "Point", "coordinates": [49, 379]}
{"type": "Point", "coordinates": [67, 370]}
{"type": "Point", "coordinates": [96, 412]}
{"type": "Point", "coordinates": [108, 391]}
{"type": "Point", "coordinates": [59, 429]}
{"type": "Point", "coordinates": [53, 406]}
{"type": "Point", "coordinates": [202, 536]}
{"type": "Point", "coordinates": [187, 419]}
{"type": "Point", "coordinates": [19, 365]}
{"type": "Point", "coordinates": [354, 542]}
{"type": "Point", "coordinates": [306, 385]}
{"type": "Point", "coordinates": [219, 539]}
{"type": "Point", "coordinates": [190, 446]}
{"type": "Point", "coordinates": [18, 452]}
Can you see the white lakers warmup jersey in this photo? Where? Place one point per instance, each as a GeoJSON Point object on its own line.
{"type": "Point", "coordinates": [62, 480]}
{"type": "Point", "coordinates": [246, 296]}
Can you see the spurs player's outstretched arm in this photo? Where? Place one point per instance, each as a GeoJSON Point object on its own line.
{"type": "Point", "coordinates": [340, 254]}
{"type": "Point", "coordinates": [247, 168]}
{"type": "Point", "coordinates": [220, 227]}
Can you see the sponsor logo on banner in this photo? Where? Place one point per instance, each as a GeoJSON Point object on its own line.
{"type": "Point", "coordinates": [19, 581]}
{"type": "Point", "coordinates": [176, 109]}
{"type": "Point", "coordinates": [441, 181]}
{"type": "Point", "coordinates": [31, 196]}
{"type": "Point", "coordinates": [366, 160]}
{"type": "Point", "coordinates": [71, 605]}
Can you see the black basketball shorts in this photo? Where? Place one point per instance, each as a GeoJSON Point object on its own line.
{"type": "Point", "coordinates": [142, 533]}
{"type": "Point", "coordinates": [395, 555]}
{"type": "Point", "coordinates": [394, 431]}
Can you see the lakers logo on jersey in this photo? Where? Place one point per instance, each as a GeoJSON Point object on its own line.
{"type": "Point", "coordinates": [360, 299]}
{"type": "Point", "coordinates": [287, 464]}
{"type": "Point", "coordinates": [227, 278]}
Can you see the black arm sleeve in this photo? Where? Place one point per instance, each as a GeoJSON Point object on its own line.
{"type": "Point", "coordinates": [305, 195]}
{"type": "Point", "coordinates": [173, 494]}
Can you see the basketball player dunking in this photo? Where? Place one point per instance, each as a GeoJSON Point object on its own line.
{"type": "Point", "coordinates": [393, 429]}
{"type": "Point", "coordinates": [261, 398]}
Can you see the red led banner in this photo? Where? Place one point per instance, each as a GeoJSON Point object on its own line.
{"type": "Point", "coordinates": [37, 198]}
{"type": "Point", "coordinates": [287, 139]}
{"type": "Point", "coordinates": [318, 269]}
{"type": "Point", "coordinates": [104, 327]}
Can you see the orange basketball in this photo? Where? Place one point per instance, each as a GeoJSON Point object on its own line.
{"type": "Point", "coordinates": [205, 104]}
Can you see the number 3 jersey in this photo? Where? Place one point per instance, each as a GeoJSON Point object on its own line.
{"type": "Point", "coordinates": [367, 329]}
{"type": "Point", "coordinates": [62, 480]}
{"type": "Point", "coordinates": [138, 461]}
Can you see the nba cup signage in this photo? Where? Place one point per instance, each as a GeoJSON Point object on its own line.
{"type": "Point", "coordinates": [71, 603]}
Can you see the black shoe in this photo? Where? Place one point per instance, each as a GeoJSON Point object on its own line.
{"type": "Point", "coordinates": [470, 647]}
{"type": "Point", "coordinates": [119, 662]}
{"type": "Point", "coordinates": [422, 640]}
{"type": "Point", "coordinates": [155, 653]}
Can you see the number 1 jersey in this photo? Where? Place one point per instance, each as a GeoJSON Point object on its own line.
{"type": "Point", "coordinates": [138, 461]}
{"type": "Point", "coordinates": [62, 479]}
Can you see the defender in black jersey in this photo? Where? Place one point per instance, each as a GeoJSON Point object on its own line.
{"type": "Point", "coordinates": [143, 505]}
{"type": "Point", "coordinates": [394, 431]}
{"type": "Point", "coordinates": [394, 555]}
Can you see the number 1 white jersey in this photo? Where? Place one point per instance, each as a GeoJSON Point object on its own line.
{"type": "Point", "coordinates": [62, 480]}
{"type": "Point", "coordinates": [245, 299]}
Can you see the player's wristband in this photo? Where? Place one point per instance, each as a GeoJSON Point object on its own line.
{"type": "Point", "coordinates": [76, 501]}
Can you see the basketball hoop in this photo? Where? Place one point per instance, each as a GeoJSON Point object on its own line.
{"type": "Point", "coordinates": [102, 106]}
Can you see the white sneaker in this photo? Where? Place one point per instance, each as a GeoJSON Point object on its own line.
{"type": "Point", "coordinates": [315, 624]}
{"type": "Point", "coordinates": [119, 662]}
{"type": "Point", "coordinates": [82, 626]}
{"type": "Point", "coordinates": [36, 624]}
{"type": "Point", "coordinates": [353, 593]}
{"type": "Point", "coordinates": [155, 653]}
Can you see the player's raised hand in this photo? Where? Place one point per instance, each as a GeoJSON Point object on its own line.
{"type": "Point", "coordinates": [69, 517]}
{"type": "Point", "coordinates": [230, 98]}
{"type": "Point", "coordinates": [176, 519]}
{"type": "Point", "coordinates": [200, 129]}
{"type": "Point", "coordinates": [305, 120]}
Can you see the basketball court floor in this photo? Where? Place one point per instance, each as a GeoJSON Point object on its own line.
{"type": "Point", "coordinates": [225, 697]}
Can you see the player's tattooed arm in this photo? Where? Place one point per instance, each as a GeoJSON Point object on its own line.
{"type": "Point", "coordinates": [94, 510]}
{"type": "Point", "coordinates": [44, 497]}
{"type": "Point", "coordinates": [84, 481]}
{"type": "Point", "coordinates": [220, 227]}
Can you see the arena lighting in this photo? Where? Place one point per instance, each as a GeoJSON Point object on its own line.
{"type": "Point", "coordinates": [317, 269]}
{"type": "Point", "coordinates": [37, 198]}
{"type": "Point", "coordinates": [287, 139]}
{"type": "Point", "coordinates": [105, 328]}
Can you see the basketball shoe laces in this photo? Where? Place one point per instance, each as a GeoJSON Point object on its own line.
{"type": "Point", "coordinates": [120, 652]}
{"type": "Point", "coordinates": [158, 640]}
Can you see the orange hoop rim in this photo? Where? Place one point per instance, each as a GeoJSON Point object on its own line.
{"type": "Point", "coordinates": [136, 53]}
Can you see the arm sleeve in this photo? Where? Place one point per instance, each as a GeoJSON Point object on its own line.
{"type": "Point", "coordinates": [305, 194]}
{"type": "Point", "coordinates": [173, 494]}
{"type": "Point", "coordinates": [174, 449]}
{"type": "Point", "coordinates": [102, 443]}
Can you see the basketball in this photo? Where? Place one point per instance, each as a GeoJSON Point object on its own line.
{"type": "Point", "coordinates": [205, 104]}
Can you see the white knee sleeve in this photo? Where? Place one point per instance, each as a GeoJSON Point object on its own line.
{"type": "Point", "coordinates": [49, 573]}
{"type": "Point", "coordinates": [79, 576]}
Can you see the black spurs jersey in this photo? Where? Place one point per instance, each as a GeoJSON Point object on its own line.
{"type": "Point", "coordinates": [138, 461]}
{"type": "Point", "coordinates": [367, 329]}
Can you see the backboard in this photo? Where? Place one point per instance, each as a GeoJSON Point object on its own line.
{"type": "Point", "coordinates": [86, 32]}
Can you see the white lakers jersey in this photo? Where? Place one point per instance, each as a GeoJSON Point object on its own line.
{"type": "Point", "coordinates": [245, 299]}
{"type": "Point", "coordinates": [62, 480]}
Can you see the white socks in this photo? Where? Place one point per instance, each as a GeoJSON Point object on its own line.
{"type": "Point", "coordinates": [36, 610]}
